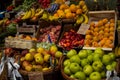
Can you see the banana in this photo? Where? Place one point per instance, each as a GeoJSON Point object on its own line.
{"type": "Point", "coordinates": [24, 16]}
{"type": "Point", "coordinates": [116, 50]}
{"type": "Point", "coordinates": [27, 15]}
{"type": "Point", "coordinates": [39, 13]}
{"type": "Point", "coordinates": [85, 18]}
{"type": "Point", "coordinates": [80, 19]}
{"type": "Point", "coordinates": [32, 12]}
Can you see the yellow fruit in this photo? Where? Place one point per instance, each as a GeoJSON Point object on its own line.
{"type": "Point", "coordinates": [67, 10]}
{"type": "Point", "coordinates": [82, 3]}
{"type": "Point", "coordinates": [40, 50]}
{"type": "Point", "coordinates": [39, 59]}
{"type": "Point", "coordinates": [37, 54]}
{"type": "Point", "coordinates": [63, 6]}
{"type": "Point", "coordinates": [105, 20]}
{"type": "Point", "coordinates": [28, 68]}
{"type": "Point", "coordinates": [37, 67]}
{"type": "Point", "coordinates": [46, 57]}
{"type": "Point", "coordinates": [32, 50]}
{"type": "Point", "coordinates": [112, 20]}
{"type": "Point", "coordinates": [29, 57]}
{"type": "Point", "coordinates": [45, 69]}
{"type": "Point", "coordinates": [53, 49]}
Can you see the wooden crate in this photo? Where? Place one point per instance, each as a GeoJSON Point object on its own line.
{"type": "Point", "coordinates": [98, 15]}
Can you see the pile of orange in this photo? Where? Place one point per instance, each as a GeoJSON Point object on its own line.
{"type": "Point", "coordinates": [101, 34]}
{"type": "Point", "coordinates": [70, 11]}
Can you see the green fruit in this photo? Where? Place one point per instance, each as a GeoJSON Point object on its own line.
{"type": "Point", "coordinates": [96, 57]}
{"type": "Point", "coordinates": [80, 75]}
{"type": "Point", "coordinates": [83, 54]}
{"type": "Point", "coordinates": [90, 58]}
{"type": "Point", "coordinates": [71, 53]}
{"type": "Point", "coordinates": [112, 55]}
{"type": "Point", "coordinates": [89, 51]}
{"type": "Point", "coordinates": [109, 67]}
{"type": "Point", "coordinates": [103, 74]}
{"type": "Point", "coordinates": [84, 62]}
{"type": "Point", "coordinates": [66, 62]}
{"type": "Point", "coordinates": [67, 70]}
{"type": "Point", "coordinates": [106, 59]}
{"type": "Point", "coordinates": [74, 67]}
{"type": "Point", "coordinates": [72, 76]}
{"type": "Point", "coordinates": [99, 51]}
{"type": "Point", "coordinates": [58, 54]}
{"type": "Point", "coordinates": [95, 76]}
{"type": "Point", "coordinates": [87, 69]}
{"type": "Point", "coordinates": [97, 65]}
{"type": "Point", "coordinates": [75, 59]}
{"type": "Point", "coordinates": [29, 57]}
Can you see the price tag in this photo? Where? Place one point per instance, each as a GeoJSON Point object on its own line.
{"type": "Point", "coordinates": [83, 28]}
{"type": "Point", "coordinates": [36, 76]}
{"type": "Point", "coordinates": [7, 15]}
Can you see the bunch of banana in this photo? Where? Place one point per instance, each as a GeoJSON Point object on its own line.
{"type": "Point", "coordinates": [32, 13]}
{"type": "Point", "coordinates": [82, 19]}
{"type": "Point", "coordinates": [117, 51]}
{"type": "Point", "coordinates": [83, 5]}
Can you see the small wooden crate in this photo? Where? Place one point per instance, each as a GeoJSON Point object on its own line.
{"type": "Point", "coordinates": [98, 15]}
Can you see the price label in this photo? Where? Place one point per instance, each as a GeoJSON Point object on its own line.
{"type": "Point", "coordinates": [83, 28]}
{"type": "Point", "coordinates": [7, 15]}
{"type": "Point", "coordinates": [36, 76]}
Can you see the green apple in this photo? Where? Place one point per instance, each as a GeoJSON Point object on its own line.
{"type": "Point", "coordinates": [95, 76]}
{"type": "Point", "coordinates": [103, 74]}
{"type": "Point", "coordinates": [83, 54]}
{"type": "Point", "coordinates": [72, 76]}
{"type": "Point", "coordinates": [106, 59]}
{"type": "Point", "coordinates": [97, 65]}
{"type": "Point", "coordinates": [32, 50]}
{"type": "Point", "coordinates": [87, 69]}
{"type": "Point", "coordinates": [84, 62]}
{"type": "Point", "coordinates": [74, 67]}
{"type": "Point", "coordinates": [66, 62]}
{"type": "Point", "coordinates": [96, 57]}
{"type": "Point", "coordinates": [58, 54]}
{"type": "Point", "coordinates": [80, 75]}
{"type": "Point", "coordinates": [109, 67]}
{"type": "Point", "coordinates": [90, 58]}
{"type": "Point", "coordinates": [99, 51]}
{"type": "Point", "coordinates": [39, 60]}
{"type": "Point", "coordinates": [112, 55]}
{"type": "Point", "coordinates": [89, 51]}
{"type": "Point", "coordinates": [75, 58]}
{"type": "Point", "coordinates": [87, 78]}
{"type": "Point", "coordinates": [71, 53]}
{"type": "Point", "coordinates": [67, 70]}
{"type": "Point", "coordinates": [114, 64]}
{"type": "Point", "coordinates": [29, 57]}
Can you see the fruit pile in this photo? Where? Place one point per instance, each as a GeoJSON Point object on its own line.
{"type": "Point", "coordinates": [88, 64]}
{"type": "Point", "coordinates": [101, 34]}
{"type": "Point", "coordinates": [44, 3]}
{"type": "Point", "coordinates": [72, 11]}
{"type": "Point", "coordinates": [51, 32]}
{"type": "Point", "coordinates": [71, 39]}
{"type": "Point", "coordinates": [40, 59]}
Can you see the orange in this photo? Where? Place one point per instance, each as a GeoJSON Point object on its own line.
{"type": "Point", "coordinates": [106, 34]}
{"type": "Point", "coordinates": [63, 6]}
{"type": "Point", "coordinates": [74, 15]}
{"type": "Point", "coordinates": [69, 15]}
{"type": "Point", "coordinates": [59, 11]}
{"type": "Point", "coordinates": [102, 42]}
{"type": "Point", "coordinates": [87, 42]}
{"type": "Point", "coordinates": [112, 20]}
{"type": "Point", "coordinates": [95, 38]}
{"type": "Point", "coordinates": [96, 29]}
{"type": "Point", "coordinates": [112, 24]}
{"type": "Point", "coordinates": [62, 15]}
{"type": "Point", "coordinates": [95, 44]}
{"type": "Point", "coordinates": [106, 30]}
{"type": "Point", "coordinates": [105, 20]}
{"type": "Point", "coordinates": [107, 25]}
{"type": "Point", "coordinates": [101, 32]}
{"type": "Point", "coordinates": [88, 32]}
{"type": "Point", "coordinates": [77, 6]}
{"type": "Point", "coordinates": [91, 28]}
{"type": "Point", "coordinates": [100, 37]}
{"type": "Point", "coordinates": [73, 8]}
{"type": "Point", "coordinates": [67, 10]}
{"type": "Point", "coordinates": [102, 28]}
{"type": "Point", "coordinates": [95, 33]}
{"type": "Point", "coordinates": [111, 29]}
{"type": "Point", "coordinates": [111, 33]}
{"type": "Point", "coordinates": [55, 15]}
{"type": "Point", "coordinates": [100, 23]}
{"type": "Point", "coordinates": [92, 24]}
{"type": "Point", "coordinates": [88, 37]}
{"type": "Point", "coordinates": [79, 11]}
{"type": "Point", "coordinates": [111, 38]}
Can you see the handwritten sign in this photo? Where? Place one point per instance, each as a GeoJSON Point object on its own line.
{"type": "Point", "coordinates": [83, 28]}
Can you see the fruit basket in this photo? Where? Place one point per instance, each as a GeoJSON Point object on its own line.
{"type": "Point", "coordinates": [102, 24]}
{"type": "Point", "coordinates": [48, 31]}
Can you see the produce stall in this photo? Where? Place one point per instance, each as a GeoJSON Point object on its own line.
{"type": "Point", "coordinates": [60, 40]}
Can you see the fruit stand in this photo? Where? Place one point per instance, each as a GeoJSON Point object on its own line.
{"type": "Point", "coordinates": [60, 40]}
